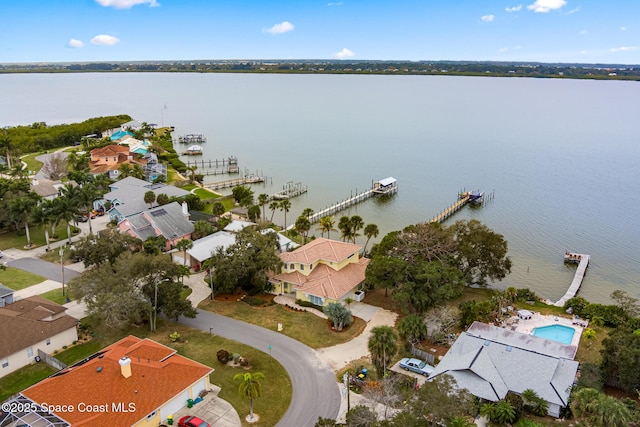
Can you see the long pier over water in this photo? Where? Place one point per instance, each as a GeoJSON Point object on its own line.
{"type": "Point", "coordinates": [583, 263]}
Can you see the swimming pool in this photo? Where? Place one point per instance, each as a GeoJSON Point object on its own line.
{"type": "Point", "coordinates": [559, 333]}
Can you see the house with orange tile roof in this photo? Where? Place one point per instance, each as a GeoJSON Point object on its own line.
{"type": "Point", "coordinates": [133, 382]}
{"type": "Point", "coordinates": [321, 272]}
{"type": "Point", "coordinates": [31, 324]}
{"type": "Point", "coordinates": [108, 159]}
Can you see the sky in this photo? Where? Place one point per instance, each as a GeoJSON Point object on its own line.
{"type": "Point", "coordinates": [584, 31]}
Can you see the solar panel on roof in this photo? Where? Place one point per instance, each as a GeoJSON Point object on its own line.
{"type": "Point", "coordinates": [158, 212]}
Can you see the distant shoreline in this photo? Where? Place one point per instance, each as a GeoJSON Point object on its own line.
{"type": "Point", "coordinates": [421, 68]}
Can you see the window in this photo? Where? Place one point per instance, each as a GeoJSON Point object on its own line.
{"type": "Point", "coordinates": [106, 158]}
{"type": "Point", "coordinates": [311, 267]}
{"type": "Point", "coordinates": [315, 300]}
{"type": "Point", "coordinates": [114, 158]}
{"type": "Point", "coordinates": [30, 352]}
{"type": "Point", "coordinates": [291, 266]}
{"type": "Point", "coordinates": [48, 341]}
{"type": "Point", "coordinates": [5, 362]}
{"type": "Point", "coordinates": [301, 267]}
{"type": "Point", "coordinates": [151, 415]}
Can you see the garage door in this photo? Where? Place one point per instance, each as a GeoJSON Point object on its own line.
{"type": "Point", "coordinates": [198, 387]}
{"type": "Point", "coordinates": [173, 406]}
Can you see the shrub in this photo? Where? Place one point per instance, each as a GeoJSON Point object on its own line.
{"type": "Point", "coordinates": [174, 336]}
{"type": "Point", "coordinates": [526, 294]}
{"type": "Point", "coordinates": [223, 356]}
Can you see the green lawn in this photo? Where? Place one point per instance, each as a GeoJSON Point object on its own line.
{"type": "Point", "coordinates": [197, 345]}
{"type": "Point", "coordinates": [206, 194]}
{"type": "Point", "coordinates": [13, 239]}
{"type": "Point", "coordinates": [33, 165]}
{"type": "Point", "coordinates": [54, 295]}
{"type": "Point", "coordinates": [19, 279]}
{"type": "Point", "coordinates": [23, 378]}
{"type": "Point", "coordinates": [302, 326]}
{"type": "Point", "coordinates": [189, 187]}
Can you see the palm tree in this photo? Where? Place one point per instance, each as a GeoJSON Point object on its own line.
{"type": "Point", "coordinates": [356, 223]}
{"type": "Point", "coordinates": [20, 210]}
{"type": "Point", "coordinates": [371, 230]}
{"type": "Point", "coordinates": [285, 205]}
{"type": "Point", "coordinates": [43, 215]}
{"type": "Point", "coordinates": [249, 388]}
{"type": "Point", "coordinates": [192, 173]}
{"type": "Point", "coordinates": [66, 209]}
{"type": "Point", "coordinates": [137, 171]}
{"type": "Point", "coordinates": [86, 196]}
{"type": "Point", "coordinates": [273, 206]}
{"type": "Point", "coordinates": [262, 200]}
{"type": "Point", "coordinates": [307, 212]}
{"type": "Point", "coordinates": [149, 198]}
{"type": "Point", "coordinates": [382, 346]}
{"type": "Point", "coordinates": [344, 225]}
{"type": "Point", "coordinates": [503, 412]}
{"type": "Point", "coordinates": [326, 224]}
{"type": "Point", "coordinates": [303, 225]}
{"type": "Point", "coordinates": [125, 170]}
{"type": "Point", "coordinates": [184, 245]}
{"type": "Point", "coordinates": [6, 145]}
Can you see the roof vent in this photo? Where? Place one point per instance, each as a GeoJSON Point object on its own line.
{"type": "Point", "coordinates": [487, 342]}
{"type": "Point", "coordinates": [509, 348]}
{"type": "Point", "coordinates": [99, 369]}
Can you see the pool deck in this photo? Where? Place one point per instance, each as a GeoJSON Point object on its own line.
{"type": "Point", "coordinates": [538, 320]}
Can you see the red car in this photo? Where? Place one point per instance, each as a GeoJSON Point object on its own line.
{"type": "Point", "coordinates": [190, 421]}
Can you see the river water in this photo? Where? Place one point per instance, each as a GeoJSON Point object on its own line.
{"type": "Point", "coordinates": [560, 156]}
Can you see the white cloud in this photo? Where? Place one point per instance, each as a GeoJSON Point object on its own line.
{"type": "Point", "coordinates": [514, 9]}
{"type": "Point", "coordinates": [545, 6]}
{"type": "Point", "coordinates": [126, 4]}
{"type": "Point", "coordinates": [574, 10]}
{"type": "Point", "coordinates": [623, 28]}
{"type": "Point", "coordinates": [488, 18]}
{"type": "Point", "coordinates": [624, 48]}
{"type": "Point", "coordinates": [335, 4]}
{"type": "Point", "coordinates": [344, 53]}
{"type": "Point", "coordinates": [503, 49]}
{"type": "Point", "coordinates": [75, 43]}
{"type": "Point", "coordinates": [583, 32]}
{"type": "Point", "coordinates": [507, 49]}
{"type": "Point", "coordinates": [105, 40]}
{"type": "Point", "coordinates": [283, 27]}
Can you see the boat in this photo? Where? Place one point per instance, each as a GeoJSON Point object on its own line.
{"type": "Point", "coordinates": [194, 150]}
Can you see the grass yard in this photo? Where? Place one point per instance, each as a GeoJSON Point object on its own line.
{"type": "Point", "coordinates": [54, 295]}
{"type": "Point", "coordinates": [206, 194]}
{"type": "Point", "coordinates": [23, 378]}
{"type": "Point", "coordinates": [589, 349]}
{"type": "Point", "coordinates": [197, 345]}
{"type": "Point", "coordinates": [13, 239]}
{"type": "Point", "coordinates": [19, 279]}
{"type": "Point", "coordinates": [302, 326]}
{"type": "Point", "coordinates": [33, 165]}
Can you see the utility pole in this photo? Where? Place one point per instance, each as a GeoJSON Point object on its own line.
{"type": "Point", "coordinates": [61, 253]}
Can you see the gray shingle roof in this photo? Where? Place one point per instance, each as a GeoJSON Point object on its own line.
{"type": "Point", "coordinates": [203, 248]}
{"type": "Point", "coordinates": [490, 361]}
{"type": "Point", "coordinates": [167, 219]}
{"type": "Point", "coordinates": [5, 291]}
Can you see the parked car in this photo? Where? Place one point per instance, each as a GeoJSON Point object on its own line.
{"type": "Point", "coordinates": [190, 421]}
{"type": "Point", "coordinates": [81, 218]}
{"type": "Point", "coordinates": [416, 365]}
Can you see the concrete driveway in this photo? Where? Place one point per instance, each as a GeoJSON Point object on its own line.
{"type": "Point", "coordinates": [212, 409]}
{"type": "Point", "coordinates": [363, 311]}
{"type": "Point", "coordinates": [396, 368]}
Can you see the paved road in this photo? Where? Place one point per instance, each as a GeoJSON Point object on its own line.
{"type": "Point", "coordinates": [315, 390]}
{"type": "Point", "coordinates": [45, 269]}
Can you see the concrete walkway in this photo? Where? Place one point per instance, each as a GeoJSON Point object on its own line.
{"type": "Point", "coordinates": [290, 301]}
{"type": "Point", "coordinates": [340, 355]}
{"type": "Point", "coordinates": [199, 289]}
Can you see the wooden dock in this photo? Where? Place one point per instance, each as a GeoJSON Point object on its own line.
{"type": "Point", "coordinates": [250, 179]}
{"type": "Point", "coordinates": [385, 186]}
{"type": "Point", "coordinates": [583, 263]}
{"type": "Point", "coordinates": [215, 166]}
{"type": "Point", "coordinates": [289, 190]}
{"type": "Point", "coordinates": [462, 202]}
{"type": "Point", "coordinates": [192, 138]}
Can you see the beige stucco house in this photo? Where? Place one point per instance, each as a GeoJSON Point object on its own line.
{"type": "Point", "coordinates": [321, 272]}
{"type": "Point", "coordinates": [29, 325]}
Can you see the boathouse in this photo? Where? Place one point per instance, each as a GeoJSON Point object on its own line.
{"type": "Point", "coordinates": [386, 186]}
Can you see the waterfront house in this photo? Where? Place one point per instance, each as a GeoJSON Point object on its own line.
{"type": "Point", "coordinates": [108, 159]}
{"type": "Point", "coordinates": [170, 221]}
{"type": "Point", "coordinates": [205, 248]}
{"type": "Point", "coordinates": [322, 271]}
{"type": "Point", "coordinates": [127, 196]}
{"type": "Point", "coordinates": [29, 325]}
{"type": "Point", "coordinates": [49, 189]}
{"type": "Point", "coordinates": [133, 382]}
{"type": "Point", "coordinates": [490, 362]}
{"type": "Point", "coordinates": [120, 136]}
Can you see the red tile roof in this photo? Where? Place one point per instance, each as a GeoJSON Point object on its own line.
{"type": "Point", "coordinates": [321, 249]}
{"type": "Point", "coordinates": [158, 374]}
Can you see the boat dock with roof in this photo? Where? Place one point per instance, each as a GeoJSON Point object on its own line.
{"type": "Point", "coordinates": [192, 138]}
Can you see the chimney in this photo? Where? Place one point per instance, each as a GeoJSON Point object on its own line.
{"type": "Point", "coordinates": [185, 210]}
{"type": "Point", "coordinates": [125, 366]}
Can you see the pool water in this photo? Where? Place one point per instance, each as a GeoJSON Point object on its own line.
{"type": "Point", "coordinates": [559, 333]}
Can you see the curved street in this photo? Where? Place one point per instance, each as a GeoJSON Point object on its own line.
{"type": "Point", "coordinates": [315, 390]}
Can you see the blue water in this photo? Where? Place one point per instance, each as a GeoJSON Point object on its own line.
{"type": "Point", "coordinates": [561, 155]}
{"type": "Point", "coordinates": [559, 333]}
